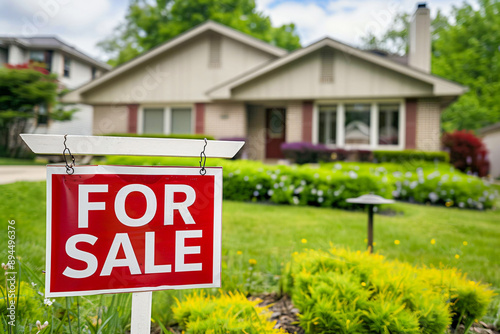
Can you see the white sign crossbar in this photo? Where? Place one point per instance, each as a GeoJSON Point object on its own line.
{"type": "Point", "coordinates": [138, 146]}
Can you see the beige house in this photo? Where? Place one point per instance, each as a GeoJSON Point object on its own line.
{"type": "Point", "coordinates": [491, 139]}
{"type": "Point", "coordinates": [217, 81]}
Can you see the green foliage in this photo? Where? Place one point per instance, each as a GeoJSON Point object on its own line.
{"type": "Point", "coordinates": [102, 314]}
{"type": "Point", "coordinates": [465, 50]}
{"type": "Point", "coordinates": [150, 23]}
{"type": "Point", "coordinates": [156, 135]}
{"type": "Point", "coordinates": [352, 292]}
{"type": "Point", "coordinates": [410, 156]}
{"type": "Point", "coordinates": [228, 313]}
{"type": "Point", "coordinates": [269, 234]}
{"type": "Point", "coordinates": [395, 39]}
{"type": "Point", "coordinates": [28, 305]}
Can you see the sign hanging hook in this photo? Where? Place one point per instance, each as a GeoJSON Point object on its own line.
{"type": "Point", "coordinates": [203, 158]}
{"type": "Point", "coordinates": [69, 167]}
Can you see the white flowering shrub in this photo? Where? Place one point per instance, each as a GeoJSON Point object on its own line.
{"type": "Point", "coordinates": [332, 183]}
{"type": "Point", "coordinates": [304, 185]}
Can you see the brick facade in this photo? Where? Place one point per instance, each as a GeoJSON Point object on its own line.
{"type": "Point", "coordinates": [428, 129]}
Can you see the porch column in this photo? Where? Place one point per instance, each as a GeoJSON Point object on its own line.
{"type": "Point", "coordinates": [200, 118]}
{"type": "Point", "coordinates": [132, 117]}
{"type": "Point", "coordinates": [411, 124]}
{"type": "Point", "coordinates": [307, 121]}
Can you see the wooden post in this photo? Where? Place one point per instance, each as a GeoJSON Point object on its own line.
{"type": "Point", "coordinates": [141, 312]}
{"type": "Point", "coordinates": [370, 228]}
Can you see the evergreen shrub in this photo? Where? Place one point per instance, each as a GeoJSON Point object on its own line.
{"type": "Point", "coordinates": [228, 313]}
{"type": "Point", "coordinates": [353, 292]}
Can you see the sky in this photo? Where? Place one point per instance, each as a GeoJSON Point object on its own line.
{"type": "Point", "coordinates": [84, 23]}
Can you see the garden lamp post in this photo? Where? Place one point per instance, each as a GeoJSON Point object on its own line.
{"type": "Point", "coordinates": [370, 200]}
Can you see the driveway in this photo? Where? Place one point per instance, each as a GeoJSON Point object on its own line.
{"type": "Point", "coordinates": [10, 174]}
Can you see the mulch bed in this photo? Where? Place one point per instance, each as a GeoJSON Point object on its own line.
{"type": "Point", "coordinates": [283, 311]}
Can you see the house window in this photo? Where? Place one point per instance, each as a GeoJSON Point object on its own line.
{"type": "Point", "coordinates": [37, 56]}
{"type": "Point", "coordinates": [357, 124]}
{"type": "Point", "coordinates": [168, 120]}
{"type": "Point", "coordinates": [328, 124]}
{"type": "Point", "coordinates": [67, 66]}
{"type": "Point", "coordinates": [42, 116]}
{"type": "Point", "coordinates": [153, 121]}
{"type": "Point", "coordinates": [388, 124]}
{"type": "Point", "coordinates": [181, 121]}
{"type": "Point", "coordinates": [94, 73]}
{"type": "Point", "coordinates": [42, 57]}
{"type": "Point", "coordinates": [360, 124]}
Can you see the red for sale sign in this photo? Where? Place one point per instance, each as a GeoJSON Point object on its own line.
{"type": "Point", "coordinates": [117, 229]}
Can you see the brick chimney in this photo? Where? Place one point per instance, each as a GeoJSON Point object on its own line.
{"type": "Point", "coordinates": [420, 39]}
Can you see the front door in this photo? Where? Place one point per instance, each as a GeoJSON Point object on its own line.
{"type": "Point", "coordinates": [275, 132]}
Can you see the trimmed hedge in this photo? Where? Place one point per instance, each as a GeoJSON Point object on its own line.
{"type": "Point", "coordinates": [410, 155]}
{"type": "Point", "coordinates": [354, 292]}
{"type": "Point", "coordinates": [254, 181]}
{"type": "Point", "coordinates": [305, 152]}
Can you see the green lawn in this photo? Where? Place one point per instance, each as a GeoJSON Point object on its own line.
{"type": "Point", "coordinates": [12, 161]}
{"type": "Point", "coordinates": [269, 234]}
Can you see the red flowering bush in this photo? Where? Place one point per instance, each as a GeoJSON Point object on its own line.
{"type": "Point", "coordinates": [467, 152]}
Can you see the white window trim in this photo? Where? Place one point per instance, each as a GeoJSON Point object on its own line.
{"type": "Point", "coordinates": [167, 117]}
{"type": "Point", "coordinates": [374, 119]}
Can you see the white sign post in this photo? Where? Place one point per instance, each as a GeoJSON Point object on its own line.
{"type": "Point", "coordinates": [94, 145]}
{"type": "Point", "coordinates": [141, 312]}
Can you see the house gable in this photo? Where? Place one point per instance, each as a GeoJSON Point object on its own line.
{"type": "Point", "coordinates": [346, 61]}
{"type": "Point", "coordinates": [181, 70]}
{"type": "Point", "coordinates": [351, 77]}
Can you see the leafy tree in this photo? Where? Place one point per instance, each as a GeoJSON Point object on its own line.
{"type": "Point", "coordinates": [150, 23]}
{"type": "Point", "coordinates": [468, 52]}
{"type": "Point", "coordinates": [465, 49]}
{"type": "Point", "coordinates": [23, 90]}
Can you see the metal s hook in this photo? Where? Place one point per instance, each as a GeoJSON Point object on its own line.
{"type": "Point", "coordinates": [69, 167]}
{"type": "Point", "coordinates": [203, 159]}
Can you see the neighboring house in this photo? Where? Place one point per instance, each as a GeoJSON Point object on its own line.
{"type": "Point", "coordinates": [73, 68]}
{"type": "Point", "coordinates": [217, 81]}
{"type": "Point", "coordinates": [491, 139]}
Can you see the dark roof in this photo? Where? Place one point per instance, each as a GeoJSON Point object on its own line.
{"type": "Point", "coordinates": [52, 42]}
{"type": "Point", "coordinates": [391, 56]}
{"type": "Point", "coordinates": [490, 128]}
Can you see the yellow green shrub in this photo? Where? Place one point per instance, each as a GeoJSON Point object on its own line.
{"type": "Point", "coordinates": [27, 301]}
{"type": "Point", "coordinates": [228, 313]}
{"type": "Point", "coordinates": [356, 292]}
